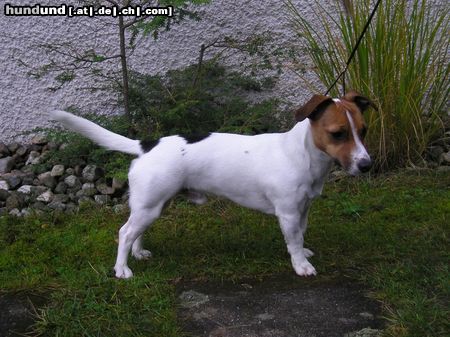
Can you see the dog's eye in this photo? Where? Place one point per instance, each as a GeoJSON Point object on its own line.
{"type": "Point", "coordinates": [339, 135]}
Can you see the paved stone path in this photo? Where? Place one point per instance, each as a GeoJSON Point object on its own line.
{"type": "Point", "coordinates": [284, 306]}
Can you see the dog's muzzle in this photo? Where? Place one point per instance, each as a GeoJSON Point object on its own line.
{"type": "Point", "coordinates": [364, 165]}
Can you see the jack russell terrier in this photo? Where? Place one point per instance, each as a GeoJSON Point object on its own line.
{"type": "Point", "coordinates": [278, 173]}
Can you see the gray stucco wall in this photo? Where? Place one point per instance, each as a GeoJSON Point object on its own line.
{"type": "Point", "coordinates": [24, 101]}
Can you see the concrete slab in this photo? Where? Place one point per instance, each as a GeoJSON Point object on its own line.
{"type": "Point", "coordinates": [281, 306]}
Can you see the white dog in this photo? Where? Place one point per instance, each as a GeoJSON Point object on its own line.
{"type": "Point", "coordinates": [277, 173]}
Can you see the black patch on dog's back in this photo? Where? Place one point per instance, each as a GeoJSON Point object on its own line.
{"type": "Point", "coordinates": [196, 137]}
{"type": "Point", "coordinates": [147, 144]}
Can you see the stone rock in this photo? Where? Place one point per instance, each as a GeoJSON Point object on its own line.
{"type": "Point", "coordinates": [434, 152]}
{"type": "Point", "coordinates": [21, 151]}
{"type": "Point", "coordinates": [118, 184]}
{"type": "Point", "coordinates": [71, 207]}
{"type": "Point", "coordinates": [15, 200]}
{"type": "Point", "coordinates": [15, 212]}
{"type": "Point", "coordinates": [51, 146]}
{"type": "Point", "coordinates": [88, 189]}
{"type": "Point", "coordinates": [25, 189]}
{"type": "Point", "coordinates": [119, 208]}
{"type": "Point", "coordinates": [366, 332]}
{"type": "Point", "coordinates": [57, 171]}
{"type": "Point", "coordinates": [62, 198]}
{"type": "Point", "coordinates": [45, 197]}
{"type": "Point", "coordinates": [4, 150]}
{"type": "Point", "coordinates": [125, 198]}
{"type": "Point", "coordinates": [445, 158]}
{"type": "Point", "coordinates": [78, 170]}
{"type": "Point", "coordinates": [33, 158]}
{"type": "Point", "coordinates": [13, 180]}
{"type": "Point", "coordinates": [366, 315]}
{"type": "Point", "coordinates": [4, 185]}
{"type": "Point", "coordinates": [103, 188]}
{"type": "Point", "coordinates": [85, 200]}
{"type": "Point", "coordinates": [46, 179]}
{"type": "Point", "coordinates": [34, 147]}
{"type": "Point", "coordinates": [6, 164]}
{"type": "Point", "coordinates": [3, 211]}
{"type": "Point", "coordinates": [72, 181]}
{"type": "Point", "coordinates": [13, 147]}
{"type": "Point", "coordinates": [60, 188]}
{"type": "Point", "coordinates": [63, 146]}
{"type": "Point", "coordinates": [4, 194]}
{"type": "Point", "coordinates": [57, 206]}
{"type": "Point", "coordinates": [39, 140]}
{"type": "Point", "coordinates": [102, 199]}
{"type": "Point", "coordinates": [92, 172]}
{"type": "Point", "coordinates": [18, 163]}
{"type": "Point", "coordinates": [39, 205]}
{"type": "Point", "coordinates": [38, 190]}
{"type": "Point", "coordinates": [192, 298]}
{"type": "Point", "coordinates": [27, 179]}
{"type": "Point", "coordinates": [26, 212]}
{"type": "Point", "coordinates": [70, 171]}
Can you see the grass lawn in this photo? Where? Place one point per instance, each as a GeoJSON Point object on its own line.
{"type": "Point", "coordinates": [389, 232]}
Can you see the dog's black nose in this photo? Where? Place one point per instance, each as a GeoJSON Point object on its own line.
{"type": "Point", "coordinates": [364, 165]}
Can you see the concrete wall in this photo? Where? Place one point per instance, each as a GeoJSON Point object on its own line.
{"type": "Point", "coordinates": [24, 101]}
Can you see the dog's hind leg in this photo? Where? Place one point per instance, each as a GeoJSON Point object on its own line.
{"type": "Point", "coordinates": [138, 251]}
{"type": "Point", "coordinates": [137, 223]}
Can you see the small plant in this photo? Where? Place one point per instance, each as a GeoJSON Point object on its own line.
{"type": "Point", "coordinates": [402, 63]}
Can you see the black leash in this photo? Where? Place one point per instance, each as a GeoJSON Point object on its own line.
{"type": "Point", "coordinates": [355, 48]}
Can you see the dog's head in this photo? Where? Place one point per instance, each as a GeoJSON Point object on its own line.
{"type": "Point", "coordinates": [338, 128]}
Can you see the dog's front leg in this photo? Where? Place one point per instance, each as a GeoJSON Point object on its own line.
{"type": "Point", "coordinates": [304, 225]}
{"type": "Point", "coordinates": [293, 229]}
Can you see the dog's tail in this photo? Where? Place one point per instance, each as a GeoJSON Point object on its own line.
{"type": "Point", "coordinates": [101, 136]}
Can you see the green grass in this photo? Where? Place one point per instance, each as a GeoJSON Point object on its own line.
{"type": "Point", "coordinates": [389, 232]}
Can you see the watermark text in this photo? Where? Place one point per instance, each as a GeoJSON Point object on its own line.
{"type": "Point", "coordinates": [90, 11]}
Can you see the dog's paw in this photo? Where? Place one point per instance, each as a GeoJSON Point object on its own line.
{"type": "Point", "coordinates": [304, 268]}
{"type": "Point", "coordinates": [142, 254]}
{"type": "Point", "coordinates": [123, 272]}
{"type": "Point", "coordinates": [308, 252]}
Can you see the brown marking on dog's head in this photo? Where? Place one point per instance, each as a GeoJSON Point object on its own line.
{"type": "Point", "coordinates": [360, 101]}
{"type": "Point", "coordinates": [332, 130]}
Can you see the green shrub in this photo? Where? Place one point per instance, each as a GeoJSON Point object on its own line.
{"type": "Point", "coordinates": [402, 63]}
{"type": "Point", "coordinates": [198, 100]}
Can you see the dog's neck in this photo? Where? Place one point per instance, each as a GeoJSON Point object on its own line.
{"type": "Point", "coordinates": [300, 141]}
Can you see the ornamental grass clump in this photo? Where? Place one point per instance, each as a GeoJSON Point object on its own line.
{"type": "Point", "coordinates": [401, 63]}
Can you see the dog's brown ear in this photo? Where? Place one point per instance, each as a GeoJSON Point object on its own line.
{"type": "Point", "coordinates": [313, 108]}
{"type": "Point", "coordinates": [361, 102]}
